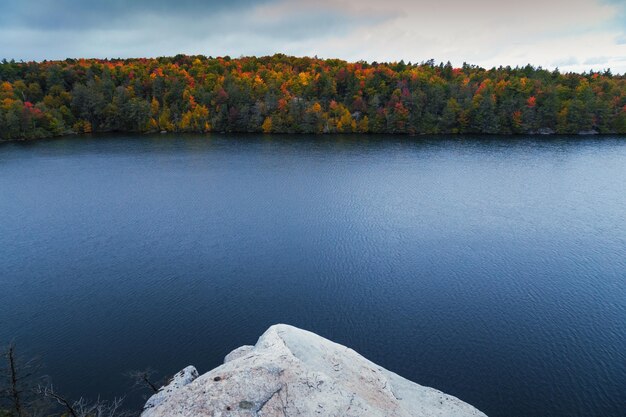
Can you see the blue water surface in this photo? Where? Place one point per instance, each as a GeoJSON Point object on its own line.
{"type": "Point", "coordinates": [493, 269]}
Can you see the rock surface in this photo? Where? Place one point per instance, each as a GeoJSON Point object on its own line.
{"type": "Point", "coordinates": [182, 378]}
{"type": "Point", "coordinates": [588, 132]}
{"type": "Point", "coordinates": [293, 372]}
{"type": "Point", "coordinates": [546, 131]}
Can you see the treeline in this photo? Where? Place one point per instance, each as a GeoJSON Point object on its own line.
{"type": "Point", "coordinates": [301, 95]}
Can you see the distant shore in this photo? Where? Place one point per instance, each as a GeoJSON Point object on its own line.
{"type": "Point", "coordinates": [282, 94]}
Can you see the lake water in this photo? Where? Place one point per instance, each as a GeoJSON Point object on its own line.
{"type": "Point", "coordinates": [492, 269]}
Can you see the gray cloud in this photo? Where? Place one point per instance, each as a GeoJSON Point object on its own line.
{"type": "Point", "coordinates": [92, 14]}
{"type": "Point", "coordinates": [243, 27]}
{"type": "Point", "coordinates": [480, 32]}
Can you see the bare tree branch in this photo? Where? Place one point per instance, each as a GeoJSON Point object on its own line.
{"type": "Point", "coordinates": [48, 392]}
{"type": "Point", "coordinates": [16, 394]}
{"type": "Point", "coordinates": [17, 379]}
{"type": "Point", "coordinates": [25, 393]}
{"type": "Point", "coordinates": [84, 408]}
{"type": "Point", "coordinates": [143, 379]}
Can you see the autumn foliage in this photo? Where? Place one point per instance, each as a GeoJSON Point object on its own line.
{"type": "Point", "coordinates": [282, 94]}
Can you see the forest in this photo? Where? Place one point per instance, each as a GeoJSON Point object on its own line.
{"type": "Point", "coordinates": [283, 94]}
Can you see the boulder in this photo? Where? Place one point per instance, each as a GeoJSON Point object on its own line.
{"type": "Point", "coordinates": [181, 379]}
{"type": "Point", "coordinates": [546, 131]}
{"type": "Point", "coordinates": [293, 372]}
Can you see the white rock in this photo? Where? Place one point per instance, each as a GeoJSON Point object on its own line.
{"type": "Point", "coordinates": [546, 131]}
{"type": "Point", "coordinates": [238, 353]}
{"type": "Point", "coordinates": [293, 372]}
{"type": "Point", "coordinates": [182, 378]}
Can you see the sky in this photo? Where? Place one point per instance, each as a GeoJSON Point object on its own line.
{"type": "Point", "coordinates": [573, 35]}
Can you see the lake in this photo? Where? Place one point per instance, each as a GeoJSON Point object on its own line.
{"type": "Point", "coordinates": [493, 269]}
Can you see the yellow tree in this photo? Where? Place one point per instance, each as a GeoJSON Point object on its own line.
{"type": "Point", "coordinates": [267, 125]}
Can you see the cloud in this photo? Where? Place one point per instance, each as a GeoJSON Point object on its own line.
{"type": "Point", "coordinates": [571, 34]}
{"type": "Point", "coordinates": [245, 28]}
{"type": "Point", "coordinates": [95, 14]}
{"type": "Point", "coordinates": [481, 32]}
{"type": "Point", "coordinates": [565, 62]}
{"type": "Point", "coordinates": [597, 60]}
